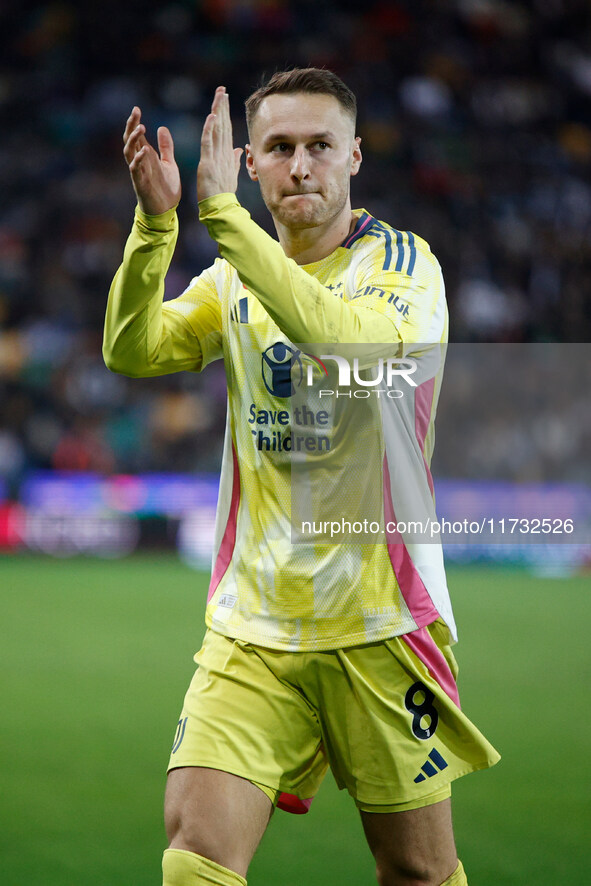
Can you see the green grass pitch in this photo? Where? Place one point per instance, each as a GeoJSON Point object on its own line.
{"type": "Point", "coordinates": [96, 656]}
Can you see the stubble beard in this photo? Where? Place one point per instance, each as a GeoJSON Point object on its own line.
{"type": "Point", "coordinates": [315, 212]}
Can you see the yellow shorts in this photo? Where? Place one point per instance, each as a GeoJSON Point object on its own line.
{"type": "Point", "coordinates": [383, 716]}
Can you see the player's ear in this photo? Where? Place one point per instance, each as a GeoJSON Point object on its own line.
{"type": "Point", "coordinates": [250, 167]}
{"type": "Point", "coordinates": [356, 157]}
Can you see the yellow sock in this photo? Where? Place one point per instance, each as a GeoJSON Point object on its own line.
{"type": "Point", "coordinates": [458, 878]}
{"type": "Point", "coordinates": [183, 868]}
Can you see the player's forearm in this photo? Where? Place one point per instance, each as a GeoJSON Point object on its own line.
{"type": "Point", "coordinates": [133, 332]}
{"type": "Point", "coordinates": [304, 309]}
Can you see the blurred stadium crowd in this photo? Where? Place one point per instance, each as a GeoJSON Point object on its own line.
{"type": "Point", "coordinates": [475, 117]}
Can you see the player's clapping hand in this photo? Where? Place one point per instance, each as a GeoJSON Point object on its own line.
{"type": "Point", "coordinates": [155, 176]}
{"type": "Point", "coordinates": [219, 165]}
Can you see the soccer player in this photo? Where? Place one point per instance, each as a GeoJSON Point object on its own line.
{"type": "Point", "coordinates": [317, 654]}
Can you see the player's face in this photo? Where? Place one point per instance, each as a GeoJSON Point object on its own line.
{"type": "Point", "coordinates": [303, 152]}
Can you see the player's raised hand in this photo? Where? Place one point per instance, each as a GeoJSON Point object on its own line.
{"type": "Point", "coordinates": [155, 176]}
{"type": "Point", "coordinates": [219, 165]}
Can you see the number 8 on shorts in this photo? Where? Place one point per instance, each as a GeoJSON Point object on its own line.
{"type": "Point", "coordinates": [420, 709]}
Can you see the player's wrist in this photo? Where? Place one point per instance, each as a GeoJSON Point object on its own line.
{"type": "Point", "coordinates": [216, 202]}
{"type": "Point", "coordinates": [158, 222]}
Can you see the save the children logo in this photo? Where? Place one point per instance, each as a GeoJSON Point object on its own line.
{"type": "Point", "coordinates": [282, 369]}
{"type": "Point", "coordinates": [277, 429]}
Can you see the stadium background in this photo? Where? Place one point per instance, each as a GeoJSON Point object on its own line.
{"type": "Point", "coordinates": [476, 126]}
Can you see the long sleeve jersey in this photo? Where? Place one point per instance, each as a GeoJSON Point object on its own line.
{"type": "Point", "coordinates": [297, 445]}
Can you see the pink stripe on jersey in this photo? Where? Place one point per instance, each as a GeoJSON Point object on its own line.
{"type": "Point", "coordinates": [424, 647]}
{"type": "Point", "coordinates": [410, 582]}
{"type": "Point", "coordinates": [357, 232]}
{"type": "Point", "coordinates": [291, 803]}
{"type": "Point", "coordinates": [229, 540]}
{"type": "Point", "coordinates": [423, 407]}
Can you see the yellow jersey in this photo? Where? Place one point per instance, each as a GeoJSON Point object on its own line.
{"type": "Point", "coordinates": [278, 326]}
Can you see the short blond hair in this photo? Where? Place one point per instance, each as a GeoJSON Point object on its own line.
{"type": "Point", "coordinates": [316, 81]}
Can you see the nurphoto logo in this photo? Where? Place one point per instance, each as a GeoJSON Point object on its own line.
{"type": "Point", "coordinates": [349, 372]}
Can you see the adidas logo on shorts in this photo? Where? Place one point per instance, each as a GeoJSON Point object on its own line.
{"type": "Point", "coordinates": [432, 766]}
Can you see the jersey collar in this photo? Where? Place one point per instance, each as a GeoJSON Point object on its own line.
{"type": "Point", "coordinates": [365, 223]}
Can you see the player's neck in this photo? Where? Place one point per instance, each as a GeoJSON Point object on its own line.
{"type": "Point", "coordinates": [313, 244]}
